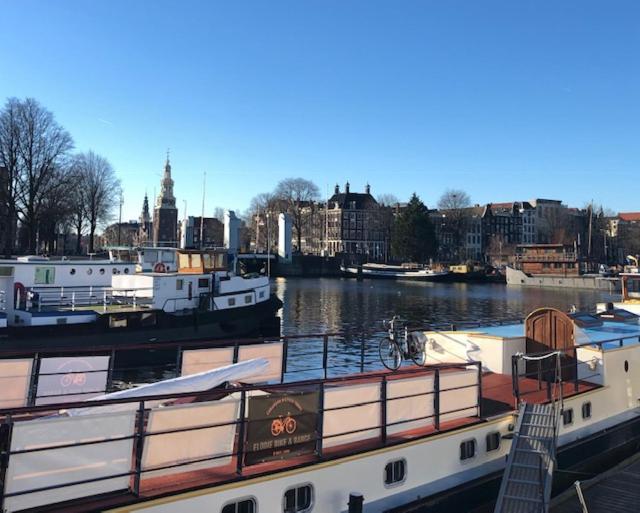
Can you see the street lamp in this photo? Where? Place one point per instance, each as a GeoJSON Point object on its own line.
{"type": "Point", "coordinates": [268, 247]}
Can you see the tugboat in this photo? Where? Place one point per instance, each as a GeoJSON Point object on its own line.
{"type": "Point", "coordinates": [66, 303]}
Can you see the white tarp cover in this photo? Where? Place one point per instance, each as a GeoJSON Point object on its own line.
{"type": "Point", "coordinates": [195, 361]}
{"type": "Point", "coordinates": [401, 408]}
{"type": "Point", "coordinates": [66, 465]}
{"type": "Point", "coordinates": [353, 418]}
{"type": "Point", "coordinates": [15, 377]}
{"type": "Point", "coordinates": [272, 352]}
{"type": "Point", "coordinates": [463, 399]}
{"type": "Point", "coordinates": [71, 378]}
{"type": "Point", "coordinates": [184, 384]}
{"type": "Point", "coordinates": [172, 448]}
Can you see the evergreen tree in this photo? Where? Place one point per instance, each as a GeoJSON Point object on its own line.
{"type": "Point", "coordinates": [413, 238]}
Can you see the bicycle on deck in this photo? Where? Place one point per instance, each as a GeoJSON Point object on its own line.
{"type": "Point", "coordinates": [400, 345]}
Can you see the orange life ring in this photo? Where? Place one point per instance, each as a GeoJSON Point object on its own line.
{"type": "Point", "coordinates": [159, 268]}
{"type": "Point", "coordinates": [19, 288]}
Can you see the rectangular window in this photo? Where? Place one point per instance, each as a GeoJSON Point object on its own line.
{"type": "Point", "coordinates": [467, 449]}
{"type": "Point", "coordinates": [179, 284]}
{"type": "Point", "coordinates": [567, 416]}
{"type": "Point", "coordinates": [247, 299]}
{"type": "Point", "coordinates": [493, 441]}
{"type": "Point", "coordinates": [395, 472]}
{"type": "Point", "coordinates": [298, 499]}
{"type": "Point", "coordinates": [183, 259]}
{"type": "Point", "coordinates": [586, 410]}
{"type": "Point", "coordinates": [261, 294]}
{"type": "Point", "coordinates": [244, 506]}
{"type": "Point", "coordinates": [203, 283]}
{"type": "Point", "coordinates": [195, 260]}
{"type": "Point", "coordinates": [45, 275]}
{"type": "Point", "coordinates": [231, 301]}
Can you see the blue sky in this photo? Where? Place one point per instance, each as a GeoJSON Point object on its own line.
{"type": "Point", "coordinates": [504, 99]}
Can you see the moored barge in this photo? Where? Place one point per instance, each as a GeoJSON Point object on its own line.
{"type": "Point", "coordinates": [279, 443]}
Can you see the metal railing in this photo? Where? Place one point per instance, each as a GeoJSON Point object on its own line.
{"type": "Point", "coordinates": [73, 298]}
{"type": "Point", "coordinates": [241, 452]}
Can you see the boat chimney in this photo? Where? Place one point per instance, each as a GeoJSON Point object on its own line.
{"type": "Point", "coordinates": [346, 188]}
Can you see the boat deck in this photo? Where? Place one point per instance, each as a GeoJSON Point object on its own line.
{"type": "Point", "coordinates": [497, 399]}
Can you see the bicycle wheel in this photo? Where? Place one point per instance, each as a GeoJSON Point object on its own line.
{"type": "Point", "coordinates": [417, 350]}
{"type": "Point", "coordinates": [390, 354]}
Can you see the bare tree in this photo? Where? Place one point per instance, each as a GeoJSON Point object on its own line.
{"type": "Point", "coordinates": [43, 146]}
{"type": "Point", "coordinates": [296, 194]}
{"type": "Point", "coordinates": [101, 190]}
{"type": "Point", "coordinates": [256, 217]}
{"type": "Point", "coordinates": [387, 200]}
{"type": "Point", "coordinates": [10, 161]}
{"type": "Point", "coordinates": [454, 204]}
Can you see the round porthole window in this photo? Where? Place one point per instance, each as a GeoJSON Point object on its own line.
{"type": "Point", "coordinates": [114, 271]}
{"type": "Point", "coordinates": [126, 270]}
{"type": "Point", "coordinates": [101, 271]}
{"type": "Point", "coordinates": [626, 366]}
{"type": "Point", "coordinates": [89, 271]}
{"type": "Point", "coordinates": [72, 271]}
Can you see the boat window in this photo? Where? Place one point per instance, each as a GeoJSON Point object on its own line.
{"type": "Point", "coordinates": [195, 260]}
{"type": "Point", "coordinates": [203, 283]}
{"type": "Point", "coordinates": [89, 271]}
{"type": "Point", "coordinates": [586, 410]}
{"type": "Point", "coordinates": [72, 271]}
{"type": "Point", "coordinates": [298, 499]}
{"type": "Point", "coordinates": [395, 472]}
{"type": "Point", "coordinates": [243, 506]}
{"type": "Point", "coordinates": [126, 270]}
{"type": "Point", "coordinates": [184, 260]}
{"type": "Point", "coordinates": [247, 299]}
{"type": "Point", "coordinates": [232, 301]}
{"type": "Point", "coordinates": [102, 271]}
{"type": "Point", "coordinates": [114, 271]}
{"type": "Point", "coordinates": [626, 366]}
{"type": "Point", "coordinates": [261, 294]}
{"type": "Point", "coordinates": [567, 416]}
{"type": "Point", "coordinates": [467, 449]}
{"type": "Point", "coordinates": [493, 441]}
{"type": "Point", "coordinates": [117, 321]}
{"type": "Point", "coordinates": [45, 275]}
{"type": "Point", "coordinates": [179, 284]}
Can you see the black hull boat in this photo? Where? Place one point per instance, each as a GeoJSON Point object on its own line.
{"type": "Point", "coordinates": [257, 320]}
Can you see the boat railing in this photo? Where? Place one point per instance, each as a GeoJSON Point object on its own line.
{"type": "Point", "coordinates": [573, 373]}
{"type": "Point", "coordinates": [3, 299]}
{"type": "Point", "coordinates": [41, 299]}
{"type": "Point", "coordinates": [121, 445]}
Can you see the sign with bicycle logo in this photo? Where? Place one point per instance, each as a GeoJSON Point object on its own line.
{"type": "Point", "coordinates": [281, 425]}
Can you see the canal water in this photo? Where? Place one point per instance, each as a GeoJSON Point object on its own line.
{"type": "Point", "coordinates": [335, 304]}
{"type": "Point", "coordinates": [356, 309]}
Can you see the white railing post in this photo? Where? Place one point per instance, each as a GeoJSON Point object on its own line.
{"type": "Point", "coordinates": [73, 301]}
{"type": "Point", "coordinates": [104, 301]}
{"type": "Point", "coordinates": [134, 298]}
{"type": "Point", "coordinates": [90, 293]}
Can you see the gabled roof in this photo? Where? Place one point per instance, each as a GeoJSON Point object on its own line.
{"type": "Point", "coordinates": [629, 216]}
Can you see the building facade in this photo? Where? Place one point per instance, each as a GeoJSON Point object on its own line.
{"type": "Point", "coordinates": [196, 232]}
{"type": "Point", "coordinates": [354, 225]}
{"type": "Point", "coordinates": [165, 213]}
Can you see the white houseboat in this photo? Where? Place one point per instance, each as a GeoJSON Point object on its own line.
{"type": "Point", "coordinates": [510, 403]}
{"type": "Point", "coordinates": [81, 302]}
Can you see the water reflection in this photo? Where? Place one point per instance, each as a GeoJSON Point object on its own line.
{"type": "Point", "coordinates": [329, 304]}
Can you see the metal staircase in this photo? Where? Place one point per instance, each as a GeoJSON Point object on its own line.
{"type": "Point", "coordinates": [528, 475]}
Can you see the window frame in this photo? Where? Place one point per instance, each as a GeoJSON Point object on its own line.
{"type": "Point", "coordinates": [237, 501]}
{"type": "Point", "coordinates": [486, 441]}
{"type": "Point", "coordinates": [295, 487]}
{"type": "Point", "coordinates": [231, 301]}
{"type": "Point", "coordinates": [400, 482]}
{"type": "Point", "coordinates": [570, 412]}
{"type": "Point", "coordinates": [590, 408]}
{"type": "Point", "coordinates": [475, 450]}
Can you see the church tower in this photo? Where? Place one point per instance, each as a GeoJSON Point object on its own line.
{"type": "Point", "coordinates": [144, 230]}
{"type": "Point", "coordinates": [165, 213]}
